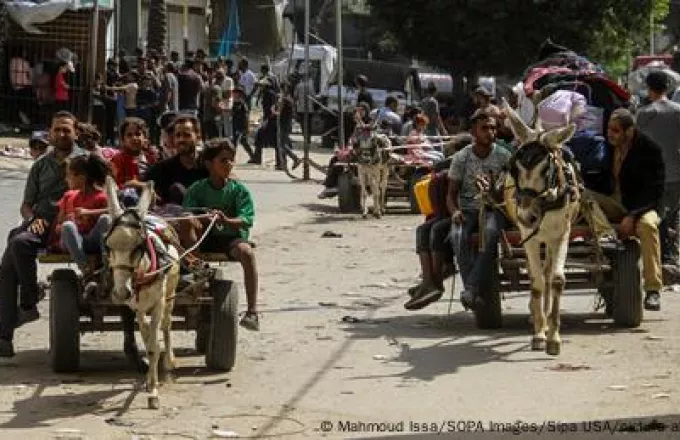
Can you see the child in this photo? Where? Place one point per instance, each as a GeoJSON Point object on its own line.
{"type": "Point", "coordinates": [80, 225]}
{"type": "Point", "coordinates": [234, 206]}
{"type": "Point", "coordinates": [38, 144]}
{"type": "Point", "coordinates": [132, 160]}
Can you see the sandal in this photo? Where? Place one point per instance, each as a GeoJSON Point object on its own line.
{"type": "Point", "coordinates": [250, 321]}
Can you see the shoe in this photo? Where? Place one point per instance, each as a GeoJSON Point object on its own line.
{"type": "Point", "coordinates": [27, 315]}
{"type": "Point", "coordinates": [653, 301]}
{"type": "Point", "coordinates": [297, 163]}
{"type": "Point", "coordinates": [250, 321]}
{"type": "Point", "coordinates": [6, 349]}
{"type": "Point", "coordinates": [412, 291]}
{"type": "Point", "coordinates": [470, 300]}
{"type": "Point", "coordinates": [424, 297]}
{"type": "Point", "coordinates": [254, 162]}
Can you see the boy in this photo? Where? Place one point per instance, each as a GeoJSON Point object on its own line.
{"type": "Point", "coordinates": [231, 202]}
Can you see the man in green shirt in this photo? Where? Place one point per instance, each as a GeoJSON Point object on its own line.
{"type": "Point", "coordinates": [232, 203]}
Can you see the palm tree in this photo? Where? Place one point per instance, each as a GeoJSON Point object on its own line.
{"type": "Point", "coordinates": [157, 28]}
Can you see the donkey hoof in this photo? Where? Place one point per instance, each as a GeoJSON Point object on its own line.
{"type": "Point", "coordinates": [154, 402]}
{"type": "Point", "coordinates": [377, 215]}
{"type": "Point", "coordinates": [364, 215]}
{"type": "Point", "coordinates": [553, 348]}
{"type": "Point", "coordinates": [538, 344]}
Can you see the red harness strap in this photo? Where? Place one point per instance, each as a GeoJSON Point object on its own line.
{"type": "Point", "coordinates": [142, 278]}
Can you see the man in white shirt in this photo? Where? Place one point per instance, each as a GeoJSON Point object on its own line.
{"type": "Point", "coordinates": [299, 96]}
{"type": "Point", "coordinates": [227, 86]}
{"type": "Point", "coordinates": [248, 79]}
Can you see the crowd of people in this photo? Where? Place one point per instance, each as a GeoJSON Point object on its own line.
{"type": "Point", "coordinates": [64, 208]}
{"type": "Point", "coordinates": [634, 184]}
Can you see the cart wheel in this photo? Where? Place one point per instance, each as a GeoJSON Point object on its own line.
{"type": "Point", "coordinates": [490, 315]}
{"type": "Point", "coordinates": [627, 285]}
{"type": "Point", "coordinates": [348, 194]}
{"type": "Point", "coordinates": [64, 321]}
{"type": "Point", "coordinates": [221, 348]}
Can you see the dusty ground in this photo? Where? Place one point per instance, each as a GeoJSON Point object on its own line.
{"type": "Point", "coordinates": [308, 366]}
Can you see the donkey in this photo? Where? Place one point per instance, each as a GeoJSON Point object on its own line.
{"type": "Point", "coordinates": [548, 198]}
{"type": "Point", "coordinates": [134, 252]}
{"type": "Point", "coordinates": [372, 153]}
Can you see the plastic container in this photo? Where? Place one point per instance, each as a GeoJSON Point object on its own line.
{"type": "Point", "coordinates": [422, 194]}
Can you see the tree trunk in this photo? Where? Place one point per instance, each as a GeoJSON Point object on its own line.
{"type": "Point", "coordinates": [157, 28]}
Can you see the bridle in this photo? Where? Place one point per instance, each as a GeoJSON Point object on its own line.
{"type": "Point", "coordinates": [131, 218]}
{"type": "Point", "coordinates": [561, 185]}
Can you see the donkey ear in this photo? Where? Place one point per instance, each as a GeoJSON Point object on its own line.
{"type": "Point", "coordinates": [558, 136]}
{"type": "Point", "coordinates": [145, 200]}
{"type": "Point", "coordinates": [111, 187]}
{"type": "Point", "coordinates": [519, 128]}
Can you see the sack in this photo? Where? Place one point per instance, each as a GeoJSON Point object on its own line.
{"type": "Point", "coordinates": [561, 108]}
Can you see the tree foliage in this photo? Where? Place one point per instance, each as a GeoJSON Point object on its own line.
{"type": "Point", "coordinates": [489, 36]}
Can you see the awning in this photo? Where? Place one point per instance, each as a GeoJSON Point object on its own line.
{"type": "Point", "coordinates": [27, 13]}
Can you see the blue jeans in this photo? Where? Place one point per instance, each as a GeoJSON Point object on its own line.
{"type": "Point", "coordinates": [78, 245]}
{"type": "Point", "coordinates": [475, 265]}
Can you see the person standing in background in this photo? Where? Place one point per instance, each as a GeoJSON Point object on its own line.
{"type": "Point", "coordinates": [660, 121]}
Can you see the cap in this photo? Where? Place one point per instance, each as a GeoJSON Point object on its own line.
{"type": "Point", "coordinates": [39, 138]}
{"type": "Point", "coordinates": [483, 91]}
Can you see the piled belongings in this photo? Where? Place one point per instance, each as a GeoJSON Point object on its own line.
{"type": "Point", "coordinates": [568, 88]}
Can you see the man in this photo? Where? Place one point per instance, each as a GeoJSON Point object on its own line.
{"type": "Point", "coordinates": [190, 86]}
{"type": "Point", "coordinates": [363, 95]}
{"type": "Point", "coordinates": [247, 80]}
{"type": "Point", "coordinates": [20, 75]}
{"type": "Point", "coordinates": [660, 121]}
{"type": "Point", "coordinates": [227, 84]}
{"type": "Point", "coordinates": [171, 177]}
{"type": "Point", "coordinates": [170, 101]}
{"type": "Point", "coordinates": [212, 107]}
{"type": "Point", "coordinates": [472, 169]}
{"type": "Point", "coordinates": [388, 115]}
{"type": "Point", "coordinates": [430, 105]}
{"type": "Point", "coordinates": [45, 186]}
{"type": "Point", "coordinates": [638, 175]}
{"type": "Point", "coordinates": [174, 58]}
{"type": "Point", "coordinates": [302, 106]}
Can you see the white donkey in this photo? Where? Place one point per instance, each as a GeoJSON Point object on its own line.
{"type": "Point", "coordinates": [372, 153]}
{"type": "Point", "coordinates": [548, 197]}
{"type": "Point", "coordinates": [134, 253]}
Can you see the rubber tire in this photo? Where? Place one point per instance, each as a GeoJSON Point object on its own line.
{"type": "Point", "coordinates": [490, 316]}
{"type": "Point", "coordinates": [628, 292]}
{"type": "Point", "coordinates": [416, 177]}
{"type": "Point", "coordinates": [202, 331]}
{"type": "Point", "coordinates": [64, 321]}
{"type": "Point", "coordinates": [221, 351]}
{"type": "Point", "coordinates": [348, 194]}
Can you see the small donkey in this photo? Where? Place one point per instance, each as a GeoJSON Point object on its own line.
{"type": "Point", "coordinates": [372, 153]}
{"type": "Point", "coordinates": [548, 199]}
{"type": "Point", "coordinates": [134, 253]}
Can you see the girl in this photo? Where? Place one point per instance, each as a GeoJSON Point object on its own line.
{"type": "Point", "coordinates": [233, 203]}
{"type": "Point", "coordinates": [81, 223]}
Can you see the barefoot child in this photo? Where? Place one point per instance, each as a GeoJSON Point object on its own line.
{"type": "Point", "coordinates": [233, 203]}
{"type": "Point", "coordinates": [81, 223]}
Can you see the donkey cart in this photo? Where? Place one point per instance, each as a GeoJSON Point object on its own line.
{"type": "Point", "coordinates": [208, 305]}
{"type": "Point", "coordinates": [613, 270]}
{"type": "Point", "coordinates": [402, 180]}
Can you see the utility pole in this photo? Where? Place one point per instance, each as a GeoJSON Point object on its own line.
{"type": "Point", "coordinates": [651, 27]}
{"type": "Point", "coordinates": [338, 44]}
{"type": "Point", "coordinates": [94, 57]}
{"type": "Point", "coordinates": [305, 169]}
